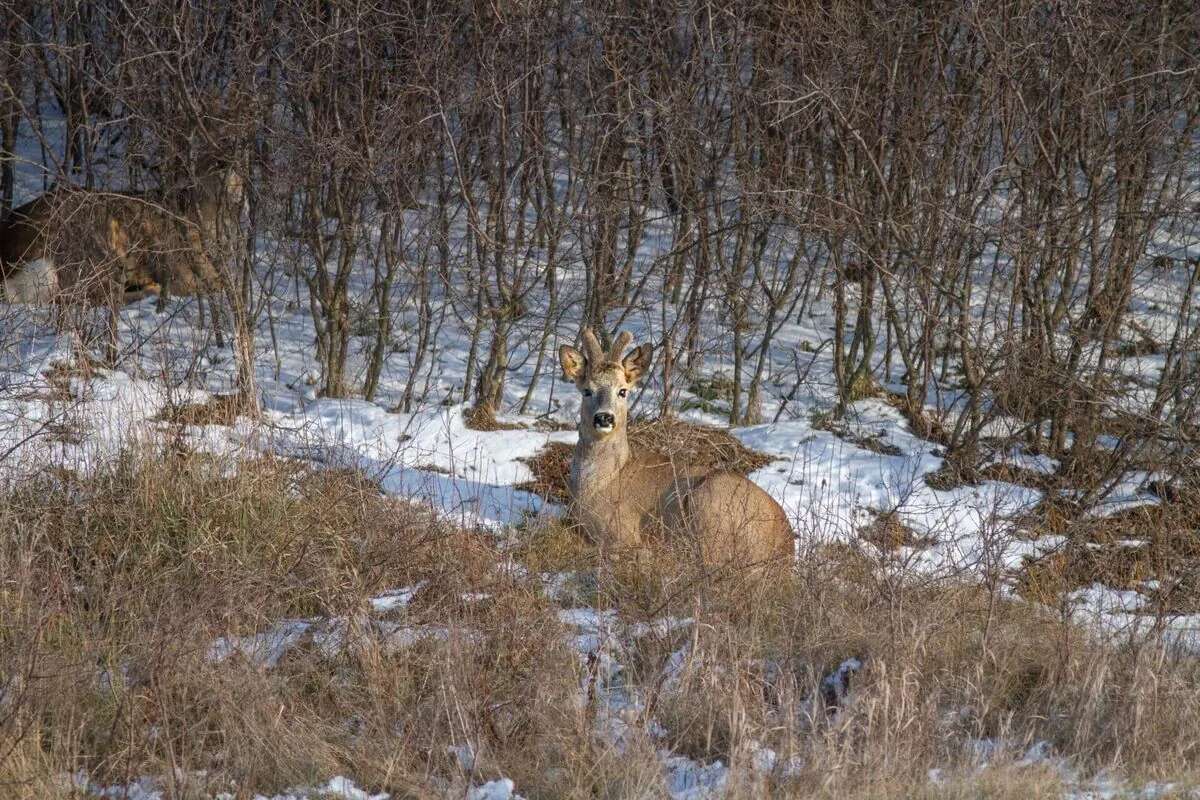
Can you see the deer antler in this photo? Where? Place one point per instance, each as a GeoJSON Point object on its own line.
{"type": "Point", "coordinates": [592, 348]}
{"type": "Point", "coordinates": [618, 348]}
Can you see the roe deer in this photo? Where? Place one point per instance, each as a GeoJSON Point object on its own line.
{"type": "Point", "coordinates": [625, 499]}
{"type": "Point", "coordinates": [99, 247]}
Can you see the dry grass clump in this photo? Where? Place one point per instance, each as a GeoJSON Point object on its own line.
{"type": "Point", "coordinates": [946, 667]}
{"type": "Point", "coordinates": [220, 409]}
{"type": "Point", "coordinates": [960, 469]}
{"type": "Point", "coordinates": [551, 468]}
{"type": "Point", "coordinates": [698, 445]}
{"type": "Point", "coordinates": [118, 586]}
{"type": "Point", "coordinates": [889, 533]}
{"type": "Point", "coordinates": [1154, 549]}
{"type": "Point", "coordinates": [60, 376]}
{"type": "Point", "coordinates": [876, 443]}
{"type": "Point", "coordinates": [482, 418]}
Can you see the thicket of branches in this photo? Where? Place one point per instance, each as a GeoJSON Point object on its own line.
{"type": "Point", "coordinates": [975, 187]}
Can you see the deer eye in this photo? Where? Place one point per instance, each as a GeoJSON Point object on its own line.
{"type": "Point", "coordinates": [623, 392]}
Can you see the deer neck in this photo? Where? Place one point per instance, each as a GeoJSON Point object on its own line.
{"type": "Point", "coordinates": [597, 462]}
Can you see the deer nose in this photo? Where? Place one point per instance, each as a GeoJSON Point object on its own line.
{"type": "Point", "coordinates": [604, 420]}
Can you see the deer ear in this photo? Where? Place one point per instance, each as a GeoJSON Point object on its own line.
{"type": "Point", "coordinates": [637, 363]}
{"type": "Point", "coordinates": [571, 361]}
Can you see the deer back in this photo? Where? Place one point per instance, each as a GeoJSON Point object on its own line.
{"type": "Point", "coordinates": [105, 243]}
{"type": "Point", "coordinates": [721, 516]}
{"type": "Point", "coordinates": [74, 232]}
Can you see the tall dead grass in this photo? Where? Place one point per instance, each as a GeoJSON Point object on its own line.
{"type": "Point", "coordinates": [116, 586]}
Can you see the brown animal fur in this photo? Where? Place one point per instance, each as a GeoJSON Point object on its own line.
{"type": "Point", "coordinates": [625, 499]}
{"type": "Point", "coordinates": [97, 247]}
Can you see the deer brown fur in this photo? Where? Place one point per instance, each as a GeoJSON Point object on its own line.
{"type": "Point", "coordinates": [87, 246]}
{"type": "Point", "coordinates": [625, 499]}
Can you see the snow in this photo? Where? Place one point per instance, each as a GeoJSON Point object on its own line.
{"type": "Point", "coordinates": [330, 637]}
{"type": "Point", "coordinates": [828, 484]}
{"type": "Point", "coordinates": [336, 788]}
{"type": "Point", "coordinates": [501, 789]}
{"type": "Point", "coordinates": [1017, 457]}
{"type": "Point", "coordinates": [429, 456]}
{"type": "Point", "coordinates": [264, 649]}
{"type": "Point", "coordinates": [688, 780]}
{"type": "Point", "coordinates": [835, 687]}
{"type": "Point", "coordinates": [395, 598]}
{"type": "Point", "coordinates": [1122, 614]}
{"type": "Point", "coordinates": [340, 787]}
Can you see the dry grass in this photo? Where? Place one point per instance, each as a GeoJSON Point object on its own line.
{"type": "Point", "coordinates": [889, 533]}
{"type": "Point", "coordinates": [118, 586]}
{"type": "Point", "coordinates": [1153, 549]}
{"type": "Point", "coordinates": [481, 418]}
{"type": "Point", "coordinates": [220, 409]}
{"type": "Point", "coordinates": [115, 588]}
{"type": "Point", "coordinates": [958, 471]}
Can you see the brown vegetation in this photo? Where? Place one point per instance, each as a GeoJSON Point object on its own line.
{"type": "Point", "coordinates": [1150, 549]}
{"type": "Point", "coordinates": [118, 586]}
{"type": "Point", "coordinates": [220, 409]}
{"type": "Point", "coordinates": [983, 224]}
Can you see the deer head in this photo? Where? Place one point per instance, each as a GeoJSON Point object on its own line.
{"type": "Point", "coordinates": [216, 187]}
{"type": "Point", "coordinates": [605, 381]}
